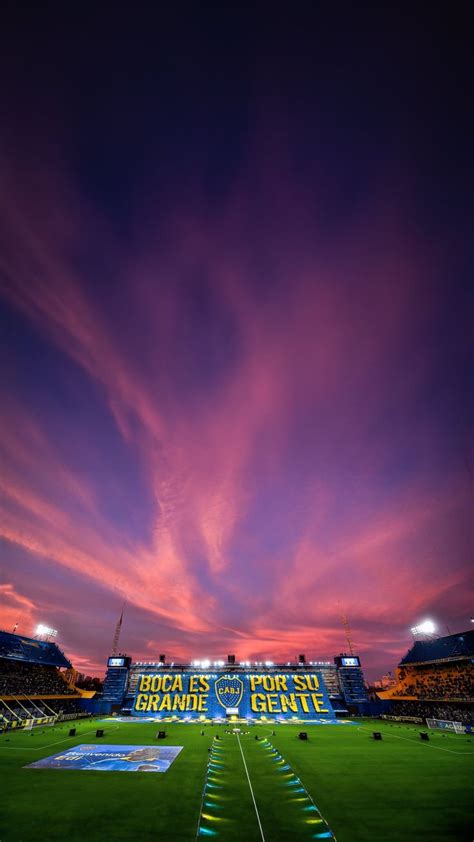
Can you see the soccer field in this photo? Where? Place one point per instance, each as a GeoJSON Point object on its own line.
{"type": "Point", "coordinates": [277, 788]}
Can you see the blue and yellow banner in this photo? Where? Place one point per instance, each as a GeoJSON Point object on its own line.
{"type": "Point", "coordinates": [249, 695]}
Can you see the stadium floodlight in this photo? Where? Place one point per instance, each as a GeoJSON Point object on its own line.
{"type": "Point", "coordinates": [268, 663]}
{"type": "Point", "coordinates": [205, 663]}
{"type": "Point", "coordinates": [426, 627]}
{"type": "Point", "coordinates": [45, 631]}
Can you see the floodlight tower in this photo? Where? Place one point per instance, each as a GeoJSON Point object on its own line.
{"type": "Point", "coordinates": [347, 629]}
{"type": "Point", "coordinates": [426, 629]}
{"type": "Point", "coordinates": [118, 627]}
{"type": "Point", "coordinates": [45, 633]}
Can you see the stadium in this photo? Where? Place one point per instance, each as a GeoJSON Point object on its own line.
{"type": "Point", "coordinates": [236, 359]}
{"type": "Point", "coordinates": [300, 750]}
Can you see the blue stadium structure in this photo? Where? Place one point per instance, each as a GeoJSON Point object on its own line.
{"type": "Point", "coordinates": [315, 691]}
{"type": "Point", "coordinates": [454, 647]}
{"type": "Point", "coordinates": [352, 682]}
{"type": "Point", "coordinates": [116, 680]}
{"type": "Point", "coordinates": [33, 690]}
{"type": "Point", "coordinates": [435, 680]}
{"type": "Point", "coordinates": [29, 649]}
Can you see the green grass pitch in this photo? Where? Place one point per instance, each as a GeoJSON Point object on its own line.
{"type": "Point", "coordinates": [366, 791]}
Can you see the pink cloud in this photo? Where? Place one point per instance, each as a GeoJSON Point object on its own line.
{"type": "Point", "coordinates": [15, 607]}
{"type": "Point", "coordinates": [311, 392]}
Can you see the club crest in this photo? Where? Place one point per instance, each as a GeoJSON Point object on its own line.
{"type": "Point", "coordinates": [229, 691]}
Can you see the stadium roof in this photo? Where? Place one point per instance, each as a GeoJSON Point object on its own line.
{"type": "Point", "coordinates": [28, 649]}
{"type": "Point", "coordinates": [452, 647]}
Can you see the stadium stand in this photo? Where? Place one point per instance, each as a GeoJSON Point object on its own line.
{"type": "Point", "coordinates": [435, 679]}
{"type": "Point", "coordinates": [32, 687]}
{"type": "Point", "coordinates": [437, 682]}
{"type": "Point", "coordinates": [21, 679]}
{"type": "Point", "coordinates": [453, 712]}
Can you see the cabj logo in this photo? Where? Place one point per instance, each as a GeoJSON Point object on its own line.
{"type": "Point", "coordinates": [229, 691]}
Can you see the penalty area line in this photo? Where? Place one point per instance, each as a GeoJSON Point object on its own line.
{"type": "Point", "coordinates": [251, 789]}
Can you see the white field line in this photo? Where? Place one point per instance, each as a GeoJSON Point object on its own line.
{"type": "Point", "coordinates": [251, 790]}
{"type": "Point", "coordinates": [410, 740]}
{"type": "Point", "coordinates": [48, 745]}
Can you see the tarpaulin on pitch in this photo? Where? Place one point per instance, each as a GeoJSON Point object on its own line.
{"type": "Point", "coordinates": [111, 758]}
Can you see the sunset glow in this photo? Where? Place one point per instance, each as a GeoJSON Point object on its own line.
{"type": "Point", "coordinates": [235, 389]}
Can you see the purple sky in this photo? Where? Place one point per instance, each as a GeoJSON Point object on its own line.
{"type": "Point", "coordinates": [236, 381]}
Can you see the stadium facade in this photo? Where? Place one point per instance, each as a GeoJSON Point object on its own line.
{"type": "Point", "coordinates": [311, 691]}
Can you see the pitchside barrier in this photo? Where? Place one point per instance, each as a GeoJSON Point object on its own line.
{"type": "Point", "coordinates": [65, 717]}
{"type": "Point", "coordinates": [194, 695]}
{"type": "Point", "coordinates": [28, 724]}
{"type": "Point", "coordinates": [447, 725]}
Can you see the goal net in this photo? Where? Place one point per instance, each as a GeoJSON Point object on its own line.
{"type": "Point", "coordinates": [446, 725]}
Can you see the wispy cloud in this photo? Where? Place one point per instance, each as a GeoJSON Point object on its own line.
{"type": "Point", "coordinates": [229, 431]}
